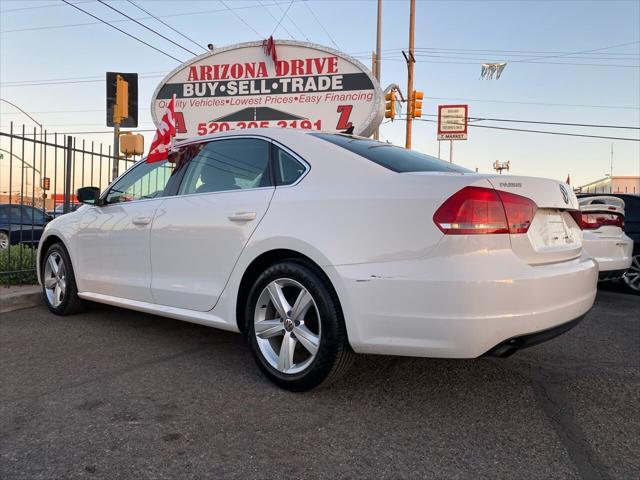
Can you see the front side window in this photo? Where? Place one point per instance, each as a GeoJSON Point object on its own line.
{"type": "Point", "coordinates": [145, 180]}
{"type": "Point", "coordinates": [225, 165]}
{"type": "Point", "coordinates": [394, 158]}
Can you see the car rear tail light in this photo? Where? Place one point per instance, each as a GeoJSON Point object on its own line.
{"type": "Point", "coordinates": [577, 217]}
{"type": "Point", "coordinates": [594, 220]}
{"type": "Point", "coordinates": [478, 210]}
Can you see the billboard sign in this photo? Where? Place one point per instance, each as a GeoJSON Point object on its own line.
{"type": "Point", "coordinates": [308, 86]}
{"type": "Point", "coordinates": [452, 122]}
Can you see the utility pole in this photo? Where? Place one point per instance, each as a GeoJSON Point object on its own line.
{"type": "Point", "coordinates": [120, 112]}
{"type": "Point", "coordinates": [410, 62]}
{"type": "Point", "coordinates": [611, 167]}
{"type": "Point", "coordinates": [377, 64]}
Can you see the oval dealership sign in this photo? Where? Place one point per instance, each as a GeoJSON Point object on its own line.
{"type": "Point", "coordinates": [237, 87]}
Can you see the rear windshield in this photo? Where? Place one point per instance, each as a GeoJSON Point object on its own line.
{"type": "Point", "coordinates": [394, 158]}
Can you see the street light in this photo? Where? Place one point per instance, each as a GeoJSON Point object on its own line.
{"type": "Point", "coordinates": [42, 139]}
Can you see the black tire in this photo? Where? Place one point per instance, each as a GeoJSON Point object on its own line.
{"type": "Point", "coordinates": [334, 354]}
{"type": "Point", "coordinates": [70, 303]}
{"type": "Point", "coordinates": [632, 286]}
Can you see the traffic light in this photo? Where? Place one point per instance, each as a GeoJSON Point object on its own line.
{"type": "Point", "coordinates": [416, 103]}
{"type": "Point", "coordinates": [121, 108]}
{"type": "Point", "coordinates": [122, 99]}
{"type": "Point", "coordinates": [390, 105]}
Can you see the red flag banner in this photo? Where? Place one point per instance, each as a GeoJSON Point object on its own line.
{"type": "Point", "coordinates": [269, 46]}
{"type": "Point", "coordinates": [161, 143]}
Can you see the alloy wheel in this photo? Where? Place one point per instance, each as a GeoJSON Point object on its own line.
{"type": "Point", "coordinates": [287, 326]}
{"type": "Point", "coordinates": [632, 276]}
{"type": "Point", "coordinates": [54, 279]}
{"type": "Point", "coordinates": [4, 241]}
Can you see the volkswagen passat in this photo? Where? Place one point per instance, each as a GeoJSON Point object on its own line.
{"type": "Point", "coordinates": [317, 245]}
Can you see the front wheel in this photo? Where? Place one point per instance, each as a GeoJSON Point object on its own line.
{"type": "Point", "coordinates": [59, 283]}
{"type": "Point", "coordinates": [295, 327]}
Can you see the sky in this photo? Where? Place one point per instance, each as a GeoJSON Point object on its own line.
{"type": "Point", "coordinates": [43, 41]}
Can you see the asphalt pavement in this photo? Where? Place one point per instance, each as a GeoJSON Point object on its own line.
{"type": "Point", "coordinates": [118, 394]}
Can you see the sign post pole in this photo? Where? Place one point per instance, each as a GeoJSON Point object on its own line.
{"type": "Point", "coordinates": [377, 63]}
{"type": "Point", "coordinates": [66, 206]}
{"type": "Point", "coordinates": [410, 61]}
{"type": "Point", "coordinates": [116, 150]}
{"type": "Point", "coordinates": [450, 151]}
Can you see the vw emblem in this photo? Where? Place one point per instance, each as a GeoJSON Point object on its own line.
{"type": "Point", "coordinates": [565, 195]}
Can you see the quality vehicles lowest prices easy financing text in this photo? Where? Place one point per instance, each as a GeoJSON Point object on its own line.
{"type": "Point", "coordinates": [319, 245]}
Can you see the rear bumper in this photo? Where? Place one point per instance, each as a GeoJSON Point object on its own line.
{"type": "Point", "coordinates": [459, 306]}
{"type": "Point", "coordinates": [611, 274]}
{"type": "Point", "coordinates": [511, 346]}
{"type": "Point", "coordinates": [611, 253]}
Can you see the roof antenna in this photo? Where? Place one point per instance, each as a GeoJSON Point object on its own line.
{"type": "Point", "coordinates": [349, 131]}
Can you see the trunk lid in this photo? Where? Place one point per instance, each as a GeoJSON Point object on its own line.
{"type": "Point", "coordinates": [554, 235]}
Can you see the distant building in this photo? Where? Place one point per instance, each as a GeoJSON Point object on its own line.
{"type": "Point", "coordinates": [612, 185]}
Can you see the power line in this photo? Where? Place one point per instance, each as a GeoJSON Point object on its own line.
{"type": "Point", "coordinates": [240, 18]}
{"type": "Point", "coordinates": [583, 51]}
{"type": "Point", "coordinates": [148, 28]}
{"type": "Point", "coordinates": [304, 35]}
{"type": "Point", "coordinates": [534, 103]}
{"type": "Point", "coordinates": [478, 61]}
{"type": "Point", "coordinates": [122, 31]}
{"type": "Point", "coordinates": [274, 17]}
{"type": "Point", "coordinates": [167, 25]}
{"type": "Point", "coordinates": [546, 132]}
{"type": "Point", "coordinates": [589, 125]}
{"type": "Point", "coordinates": [183, 14]}
{"type": "Point", "coordinates": [306, 4]}
{"type": "Point", "coordinates": [527, 52]}
{"type": "Point", "coordinates": [39, 7]}
{"type": "Point", "coordinates": [55, 81]}
{"type": "Point", "coordinates": [282, 18]}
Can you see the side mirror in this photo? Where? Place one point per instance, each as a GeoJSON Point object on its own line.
{"type": "Point", "coordinates": [88, 195]}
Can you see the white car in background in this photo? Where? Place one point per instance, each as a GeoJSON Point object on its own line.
{"type": "Point", "coordinates": [602, 219]}
{"type": "Point", "coordinates": [316, 245]}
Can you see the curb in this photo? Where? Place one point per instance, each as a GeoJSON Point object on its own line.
{"type": "Point", "coordinates": [19, 298]}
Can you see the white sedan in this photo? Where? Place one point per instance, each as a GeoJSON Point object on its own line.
{"type": "Point", "coordinates": [318, 245]}
{"type": "Point", "coordinates": [604, 238]}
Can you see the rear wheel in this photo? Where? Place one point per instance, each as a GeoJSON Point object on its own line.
{"type": "Point", "coordinates": [295, 327]}
{"type": "Point", "coordinates": [59, 283]}
{"type": "Point", "coordinates": [632, 276]}
{"type": "Point", "coordinates": [4, 240]}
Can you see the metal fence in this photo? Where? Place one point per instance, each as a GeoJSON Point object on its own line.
{"type": "Point", "coordinates": [39, 174]}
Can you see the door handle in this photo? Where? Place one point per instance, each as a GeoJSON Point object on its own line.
{"type": "Point", "coordinates": [242, 217]}
{"type": "Point", "coordinates": [141, 220]}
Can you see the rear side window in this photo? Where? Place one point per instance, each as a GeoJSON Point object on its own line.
{"type": "Point", "coordinates": [390, 156]}
{"type": "Point", "coordinates": [224, 165]}
{"type": "Point", "coordinates": [288, 169]}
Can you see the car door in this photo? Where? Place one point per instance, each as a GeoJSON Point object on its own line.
{"type": "Point", "coordinates": [33, 222]}
{"type": "Point", "coordinates": [112, 243]}
{"type": "Point", "coordinates": [198, 235]}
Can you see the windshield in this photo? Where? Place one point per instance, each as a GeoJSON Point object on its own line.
{"type": "Point", "coordinates": [390, 156]}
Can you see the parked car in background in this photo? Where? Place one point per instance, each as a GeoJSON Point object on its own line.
{"type": "Point", "coordinates": [631, 227]}
{"type": "Point", "coordinates": [315, 245]}
{"type": "Point", "coordinates": [21, 224]}
{"type": "Point", "coordinates": [59, 209]}
{"type": "Point", "coordinates": [604, 239]}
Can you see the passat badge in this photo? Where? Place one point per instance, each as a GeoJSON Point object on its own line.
{"type": "Point", "coordinates": [565, 195]}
